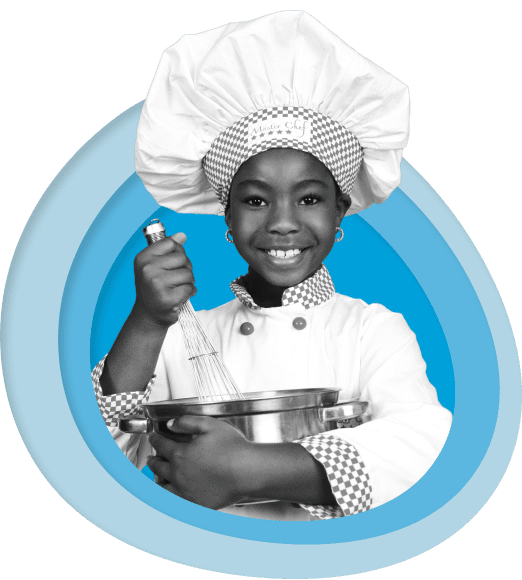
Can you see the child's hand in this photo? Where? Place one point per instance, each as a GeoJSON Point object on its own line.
{"type": "Point", "coordinates": [211, 469]}
{"type": "Point", "coordinates": [164, 280]}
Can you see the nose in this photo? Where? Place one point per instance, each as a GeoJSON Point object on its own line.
{"type": "Point", "coordinates": [283, 218]}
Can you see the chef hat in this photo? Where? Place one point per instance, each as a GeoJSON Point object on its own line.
{"type": "Point", "coordinates": [283, 80]}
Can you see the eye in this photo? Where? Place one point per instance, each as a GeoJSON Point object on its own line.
{"type": "Point", "coordinates": [309, 200]}
{"type": "Point", "coordinates": [255, 201]}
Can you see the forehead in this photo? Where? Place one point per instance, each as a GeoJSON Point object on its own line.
{"type": "Point", "coordinates": [286, 164]}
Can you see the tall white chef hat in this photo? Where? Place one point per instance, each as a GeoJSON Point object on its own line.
{"type": "Point", "coordinates": [283, 80]}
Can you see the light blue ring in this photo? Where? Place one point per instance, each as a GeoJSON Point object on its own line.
{"type": "Point", "coordinates": [116, 510]}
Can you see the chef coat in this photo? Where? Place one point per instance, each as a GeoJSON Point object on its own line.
{"type": "Point", "coordinates": [363, 350]}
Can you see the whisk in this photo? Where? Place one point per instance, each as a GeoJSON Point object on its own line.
{"type": "Point", "coordinates": [213, 380]}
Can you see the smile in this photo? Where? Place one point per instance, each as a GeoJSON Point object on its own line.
{"type": "Point", "coordinates": [282, 253]}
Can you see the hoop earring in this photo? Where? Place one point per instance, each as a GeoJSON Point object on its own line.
{"type": "Point", "coordinates": [337, 230]}
{"type": "Point", "coordinates": [227, 233]}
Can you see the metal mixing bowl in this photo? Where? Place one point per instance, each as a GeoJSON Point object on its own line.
{"type": "Point", "coordinates": [262, 417]}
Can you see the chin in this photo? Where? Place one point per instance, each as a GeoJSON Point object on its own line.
{"type": "Point", "coordinates": [283, 273]}
{"type": "Point", "coordinates": [286, 279]}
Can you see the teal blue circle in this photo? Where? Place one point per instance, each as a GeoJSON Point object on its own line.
{"type": "Point", "coordinates": [467, 333]}
{"type": "Point", "coordinates": [216, 262]}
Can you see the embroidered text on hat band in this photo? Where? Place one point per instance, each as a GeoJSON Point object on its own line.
{"type": "Point", "coordinates": [283, 127]}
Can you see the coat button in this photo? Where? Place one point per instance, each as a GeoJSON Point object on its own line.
{"type": "Point", "coordinates": [299, 323]}
{"type": "Point", "coordinates": [246, 328]}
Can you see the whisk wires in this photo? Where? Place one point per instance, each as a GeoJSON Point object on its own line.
{"type": "Point", "coordinates": [213, 380]}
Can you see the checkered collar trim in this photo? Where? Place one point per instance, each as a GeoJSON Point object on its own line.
{"type": "Point", "coordinates": [311, 292]}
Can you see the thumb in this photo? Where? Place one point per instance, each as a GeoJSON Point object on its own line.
{"type": "Point", "coordinates": [189, 424]}
{"type": "Point", "coordinates": [180, 238]}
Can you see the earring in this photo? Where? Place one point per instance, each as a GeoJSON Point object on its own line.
{"type": "Point", "coordinates": [337, 230]}
{"type": "Point", "coordinates": [227, 233]}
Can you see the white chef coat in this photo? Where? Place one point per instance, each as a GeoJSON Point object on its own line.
{"type": "Point", "coordinates": [363, 350]}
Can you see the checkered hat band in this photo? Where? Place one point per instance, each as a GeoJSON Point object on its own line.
{"type": "Point", "coordinates": [312, 292]}
{"type": "Point", "coordinates": [283, 127]}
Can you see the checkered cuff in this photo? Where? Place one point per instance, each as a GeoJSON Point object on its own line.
{"type": "Point", "coordinates": [113, 407]}
{"type": "Point", "coordinates": [346, 473]}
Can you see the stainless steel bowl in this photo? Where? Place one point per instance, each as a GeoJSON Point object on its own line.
{"type": "Point", "coordinates": [262, 417]}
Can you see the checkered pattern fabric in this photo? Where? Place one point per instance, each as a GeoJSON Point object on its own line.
{"type": "Point", "coordinates": [241, 293]}
{"type": "Point", "coordinates": [304, 129]}
{"type": "Point", "coordinates": [312, 292]}
{"type": "Point", "coordinates": [346, 473]}
{"type": "Point", "coordinates": [113, 407]}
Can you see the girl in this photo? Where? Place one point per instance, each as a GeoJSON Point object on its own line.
{"type": "Point", "coordinates": [289, 130]}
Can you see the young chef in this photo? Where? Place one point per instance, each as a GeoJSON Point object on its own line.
{"type": "Point", "coordinates": [282, 127]}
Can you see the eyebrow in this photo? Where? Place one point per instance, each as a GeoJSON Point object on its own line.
{"type": "Point", "coordinates": [307, 182]}
{"type": "Point", "coordinates": [299, 185]}
{"type": "Point", "coordinates": [255, 182]}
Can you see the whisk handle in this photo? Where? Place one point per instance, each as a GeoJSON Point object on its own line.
{"type": "Point", "coordinates": [154, 232]}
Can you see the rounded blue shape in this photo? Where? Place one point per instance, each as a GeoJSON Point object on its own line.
{"type": "Point", "coordinates": [102, 485]}
{"type": "Point", "coordinates": [215, 264]}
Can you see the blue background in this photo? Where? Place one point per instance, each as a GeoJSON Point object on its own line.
{"type": "Point", "coordinates": [363, 266]}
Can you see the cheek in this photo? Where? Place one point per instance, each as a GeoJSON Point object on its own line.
{"type": "Point", "coordinates": [324, 225]}
{"type": "Point", "coordinates": [242, 233]}
{"type": "Point", "coordinates": [244, 223]}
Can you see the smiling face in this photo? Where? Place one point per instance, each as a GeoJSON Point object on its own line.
{"type": "Point", "coordinates": [283, 211]}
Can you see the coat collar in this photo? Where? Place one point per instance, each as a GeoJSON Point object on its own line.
{"type": "Point", "coordinates": [311, 292]}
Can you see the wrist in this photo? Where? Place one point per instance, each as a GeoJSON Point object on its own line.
{"type": "Point", "coordinates": [249, 476]}
{"type": "Point", "coordinates": [141, 320]}
{"type": "Point", "coordinates": [286, 472]}
{"type": "Point", "coordinates": [260, 470]}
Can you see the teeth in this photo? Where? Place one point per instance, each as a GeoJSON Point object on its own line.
{"type": "Point", "coordinates": [282, 254]}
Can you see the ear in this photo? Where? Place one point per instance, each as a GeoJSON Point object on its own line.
{"type": "Point", "coordinates": [343, 203]}
{"type": "Point", "coordinates": [227, 216]}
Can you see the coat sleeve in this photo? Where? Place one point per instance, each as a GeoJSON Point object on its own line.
{"type": "Point", "coordinates": [112, 407]}
{"type": "Point", "coordinates": [347, 475]}
{"type": "Point", "coordinates": [409, 426]}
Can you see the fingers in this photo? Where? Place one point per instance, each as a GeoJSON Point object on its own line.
{"type": "Point", "coordinates": [166, 278]}
{"type": "Point", "coordinates": [191, 424]}
{"type": "Point", "coordinates": [164, 447]}
{"type": "Point", "coordinates": [167, 262]}
{"type": "Point", "coordinates": [179, 238]}
{"type": "Point", "coordinates": [164, 247]}
{"type": "Point", "coordinates": [173, 261]}
{"type": "Point", "coordinates": [159, 467]}
{"type": "Point", "coordinates": [168, 245]}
